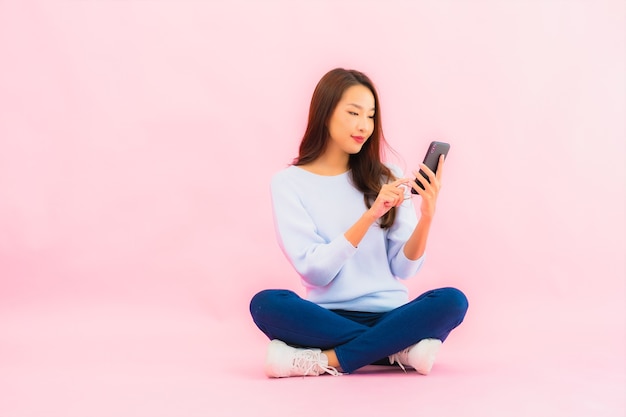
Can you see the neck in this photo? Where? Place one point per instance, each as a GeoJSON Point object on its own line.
{"type": "Point", "coordinates": [330, 163]}
{"type": "Point", "coordinates": [336, 162]}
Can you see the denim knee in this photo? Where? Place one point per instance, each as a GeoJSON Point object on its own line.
{"type": "Point", "coordinates": [266, 298]}
{"type": "Point", "coordinates": [455, 300]}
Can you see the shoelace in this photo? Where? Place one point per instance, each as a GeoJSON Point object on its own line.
{"type": "Point", "coordinates": [307, 360]}
{"type": "Point", "coordinates": [395, 358]}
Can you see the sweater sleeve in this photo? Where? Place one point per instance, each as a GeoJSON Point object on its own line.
{"type": "Point", "coordinates": [317, 260]}
{"type": "Point", "coordinates": [402, 228]}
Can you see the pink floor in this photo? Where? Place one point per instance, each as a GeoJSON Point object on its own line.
{"type": "Point", "coordinates": [119, 359]}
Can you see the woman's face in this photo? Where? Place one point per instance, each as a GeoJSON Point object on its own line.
{"type": "Point", "coordinates": [352, 121]}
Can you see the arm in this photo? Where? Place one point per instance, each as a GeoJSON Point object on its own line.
{"type": "Point", "coordinates": [415, 247]}
{"type": "Point", "coordinates": [416, 244]}
{"type": "Point", "coordinates": [390, 195]}
{"type": "Point", "coordinates": [316, 258]}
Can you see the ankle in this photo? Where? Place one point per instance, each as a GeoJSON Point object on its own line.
{"type": "Point", "coordinates": [331, 356]}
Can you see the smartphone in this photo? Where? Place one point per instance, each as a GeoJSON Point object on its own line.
{"type": "Point", "coordinates": [431, 160]}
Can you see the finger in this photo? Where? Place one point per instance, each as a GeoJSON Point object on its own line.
{"type": "Point", "coordinates": [398, 182]}
{"type": "Point", "coordinates": [401, 193]}
{"type": "Point", "coordinates": [427, 172]}
{"type": "Point", "coordinates": [393, 195]}
{"type": "Point", "coordinates": [425, 176]}
{"type": "Point", "coordinates": [433, 180]}
{"type": "Point", "coordinates": [416, 187]}
{"type": "Point", "coordinates": [442, 158]}
{"type": "Point", "coordinates": [389, 202]}
{"type": "Point", "coordinates": [430, 186]}
{"type": "Point", "coordinates": [398, 197]}
{"type": "Point", "coordinates": [393, 199]}
{"type": "Point", "coordinates": [405, 186]}
{"type": "Point", "coordinates": [395, 188]}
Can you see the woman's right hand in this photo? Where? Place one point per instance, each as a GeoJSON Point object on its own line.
{"type": "Point", "coordinates": [390, 195]}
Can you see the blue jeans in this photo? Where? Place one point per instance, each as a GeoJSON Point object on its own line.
{"type": "Point", "coordinates": [358, 338]}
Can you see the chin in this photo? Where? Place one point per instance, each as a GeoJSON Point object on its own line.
{"type": "Point", "coordinates": [356, 149]}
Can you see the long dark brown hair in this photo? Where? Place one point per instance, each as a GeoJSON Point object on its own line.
{"type": "Point", "coordinates": [368, 172]}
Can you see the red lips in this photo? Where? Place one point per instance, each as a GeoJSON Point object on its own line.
{"type": "Point", "coordinates": [358, 139]}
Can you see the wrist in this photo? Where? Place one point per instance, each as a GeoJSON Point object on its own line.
{"type": "Point", "coordinates": [426, 218]}
{"type": "Point", "coordinates": [369, 216]}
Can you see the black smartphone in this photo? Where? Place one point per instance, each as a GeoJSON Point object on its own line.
{"type": "Point", "coordinates": [431, 160]}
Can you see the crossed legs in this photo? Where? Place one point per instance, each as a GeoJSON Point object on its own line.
{"type": "Point", "coordinates": [351, 340]}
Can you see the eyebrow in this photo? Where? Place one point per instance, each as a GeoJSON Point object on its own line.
{"type": "Point", "coordinates": [359, 107]}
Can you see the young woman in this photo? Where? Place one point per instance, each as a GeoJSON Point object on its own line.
{"type": "Point", "coordinates": [346, 222]}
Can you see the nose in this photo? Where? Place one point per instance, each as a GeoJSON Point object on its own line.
{"type": "Point", "coordinates": [362, 124]}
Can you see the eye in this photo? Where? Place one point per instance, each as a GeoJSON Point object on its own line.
{"type": "Point", "coordinates": [353, 113]}
{"type": "Point", "coordinates": [372, 116]}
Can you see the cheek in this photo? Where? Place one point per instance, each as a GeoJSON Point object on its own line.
{"type": "Point", "coordinates": [339, 122]}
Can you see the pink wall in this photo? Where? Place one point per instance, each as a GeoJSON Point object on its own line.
{"type": "Point", "coordinates": [137, 140]}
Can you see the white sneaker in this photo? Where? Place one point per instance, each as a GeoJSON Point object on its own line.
{"type": "Point", "coordinates": [283, 361]}
{"type": "Point", "coordinates": [420, 356]}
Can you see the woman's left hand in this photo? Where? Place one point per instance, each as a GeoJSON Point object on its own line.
{"type": "Point", "coordinates": [431, 190]}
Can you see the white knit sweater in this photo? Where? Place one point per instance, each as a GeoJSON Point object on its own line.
{"type": "Point", "coordinates": [311, 213]}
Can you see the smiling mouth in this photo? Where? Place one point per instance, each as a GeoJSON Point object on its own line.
{"type": "Point", "coordinates": [359, 139]}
